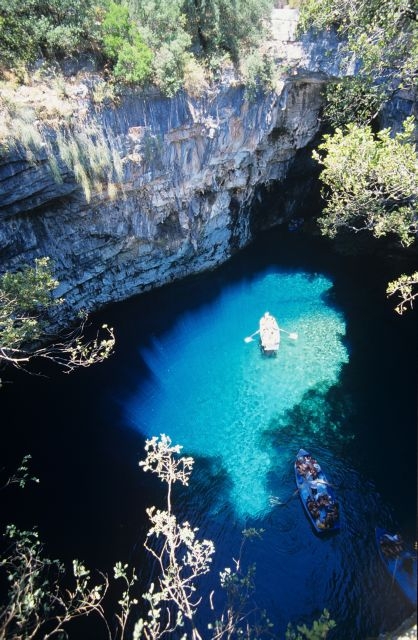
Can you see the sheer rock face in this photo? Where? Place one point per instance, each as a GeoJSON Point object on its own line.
{"type": "Point", "coordinates": [190, 171]}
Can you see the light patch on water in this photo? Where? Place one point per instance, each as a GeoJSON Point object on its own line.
{"type": "Point", "coordinates": [215, 394]}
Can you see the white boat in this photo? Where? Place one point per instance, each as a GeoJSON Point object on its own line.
{"type": "Point", "coordinates": [269, 334]}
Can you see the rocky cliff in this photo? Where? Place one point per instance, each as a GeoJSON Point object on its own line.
{"type": "Point", "coordinates": [184, 174]}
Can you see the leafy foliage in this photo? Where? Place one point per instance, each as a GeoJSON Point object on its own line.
{"type": "Point", "coordinates": [170, 65]}
{"type": "Point", "coordinates": [25, 302]}
{"type": "Point", "coordinates": [143, 40]}
{"type": "Point", "coordinates": [383, 36]}
{"type": "Point", "coordinates": [258, 71]}
{"type": "Point", "coordinates": [234, 26]}
{"type": "Point", "coordinates": [21, 476]}
{"type": "Point", "coordinates": [49, 28]}
{"type": "Point", "coordinates": [24, 297]}
{"type": "Point", "coordinates": [163, 26]}
{"type": "Point", "coordinates": [123, 45]}
{"type": "Point", "coordinates": [318, 631]}
{"type": "Point", "coordinates": [354, 99]}
{"type": "Point", "coordinates": [38, 602]}
{"type": "Point", "coordinates": [405, 287]}
{"type": "Point", "coordinates": [371, 181]}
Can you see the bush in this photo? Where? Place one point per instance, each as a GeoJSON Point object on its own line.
{"type": "Point", "coordinates": [169, 66]}
{"type": "Point", "coordinates": [49, 28]}
{"type": "Point", "coordinates": [195, 81]}
{"type": "Point", "coordinates": [124, 46]}
{"type": "Point", "coordinates": [133, 63]}
{"type": "Point", "coordinates": [116, 29]}
{"type": "Point", "coordinates": [258, 71]}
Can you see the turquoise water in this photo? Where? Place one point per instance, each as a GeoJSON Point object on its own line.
{"type": "Point", "coordinates": [216, 394]}
{"type": "Point", "coordinates": [181, 367]}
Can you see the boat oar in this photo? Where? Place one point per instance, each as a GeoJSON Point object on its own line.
{"type": "Point", "coordinates": [250, 338]}
{"type": "Point", "coordinates": [292, 334]}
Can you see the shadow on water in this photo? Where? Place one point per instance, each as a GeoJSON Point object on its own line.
{"type": "Point", "coordinates": [322, 417]}
{"type": "Point", "coordinates": [91, 500]}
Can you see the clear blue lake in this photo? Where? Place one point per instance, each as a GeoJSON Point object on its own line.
{"type": "Point", "coordinates": [345, 389]}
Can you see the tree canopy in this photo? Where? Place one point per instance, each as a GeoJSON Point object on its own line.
{"type": "Point", "coordinates": [50, 28]}
{"type": "Point", "coordinates": [371, 182]}
{"type": "Point", "coordinates": [139, 40]}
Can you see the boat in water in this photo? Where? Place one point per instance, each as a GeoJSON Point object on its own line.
{"type": "Point", "coordinates": [400, 562]}
{"type": "Point", "coordinates": [316, 494]}
{"type": "Point", "coordinates": [269, 334]}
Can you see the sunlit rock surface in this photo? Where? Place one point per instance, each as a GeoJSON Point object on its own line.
{"type": "Point", "coordinates": [190, 171]}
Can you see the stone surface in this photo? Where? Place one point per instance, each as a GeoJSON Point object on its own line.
{"type": "Point", "coordinates": [191, 170]}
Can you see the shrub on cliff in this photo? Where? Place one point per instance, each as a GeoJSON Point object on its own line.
{"type": "Point", "coordinates": [371, 182]}
{"type": "Point", "coordinates": [163, 27]}
{"type": "Point", "coordinates": [383, 36]}
{"type": "Point", "coordinates": [124, 47]}
{"type": "Point", "coordinates": [45, 28]}
{"type": "Point", "coordinates": [142, 39]}
{"type": "Point", "coordinates": [233, 26]}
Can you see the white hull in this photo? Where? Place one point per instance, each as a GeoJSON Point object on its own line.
{"type": "Point", "coordinates": [269, 334]}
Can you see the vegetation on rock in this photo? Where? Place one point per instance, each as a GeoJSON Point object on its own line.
{"type": "Point", "coordinates": [25, 303]}
{"type": "Point", "coordinates": [382, 37]}
{"type": "Point", "coordinates": [371, 182]}
{"type": "Point", "coordinates": [139, 41]}
{"type": "Point", "coordinates": [370, 176]}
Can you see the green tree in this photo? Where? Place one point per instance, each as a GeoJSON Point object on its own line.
{"type": "Point", "coordinates": [124, 46]}
{"type": "Point", "coordinates": [49, 28]}
{"type": "Point", "coordinates": [25, 303]}
{"type": "Point", "coordinates": [383, 36]}
{"type": "Point", "coordinates": [371, 182]}
{"type": "Point", "coordinates": [116, 29]}
{"type": "Point", "coordinates": [163, 27]}
{"type": "Point", "coordinates": [133, 63]}
{"type": "Point", "coordinates": [234, 26]}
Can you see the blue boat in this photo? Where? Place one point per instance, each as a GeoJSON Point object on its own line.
{"type": "Point", "coordinates": [400, 562]}
{"type": "Point", "coordinates": [316, 494]}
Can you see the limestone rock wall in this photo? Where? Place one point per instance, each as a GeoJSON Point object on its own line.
{"type": "Point", "coordinates": [190, 169]}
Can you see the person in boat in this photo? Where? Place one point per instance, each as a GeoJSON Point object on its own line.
{"type": "Point", "coordinates": [311, 474]}
{"type": "Point", "coordinates": [308, 467]}
{"type": "Point", "coordinates": [330, 519]}
{"type": "Point", "coordinates": [302, 467]}
{"type": "Point", "coordinates": [332, 515]}
{"type": "Point", "coordinates": [323, 500]}
{"type": "Point", "coordinates": [312, 507]}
